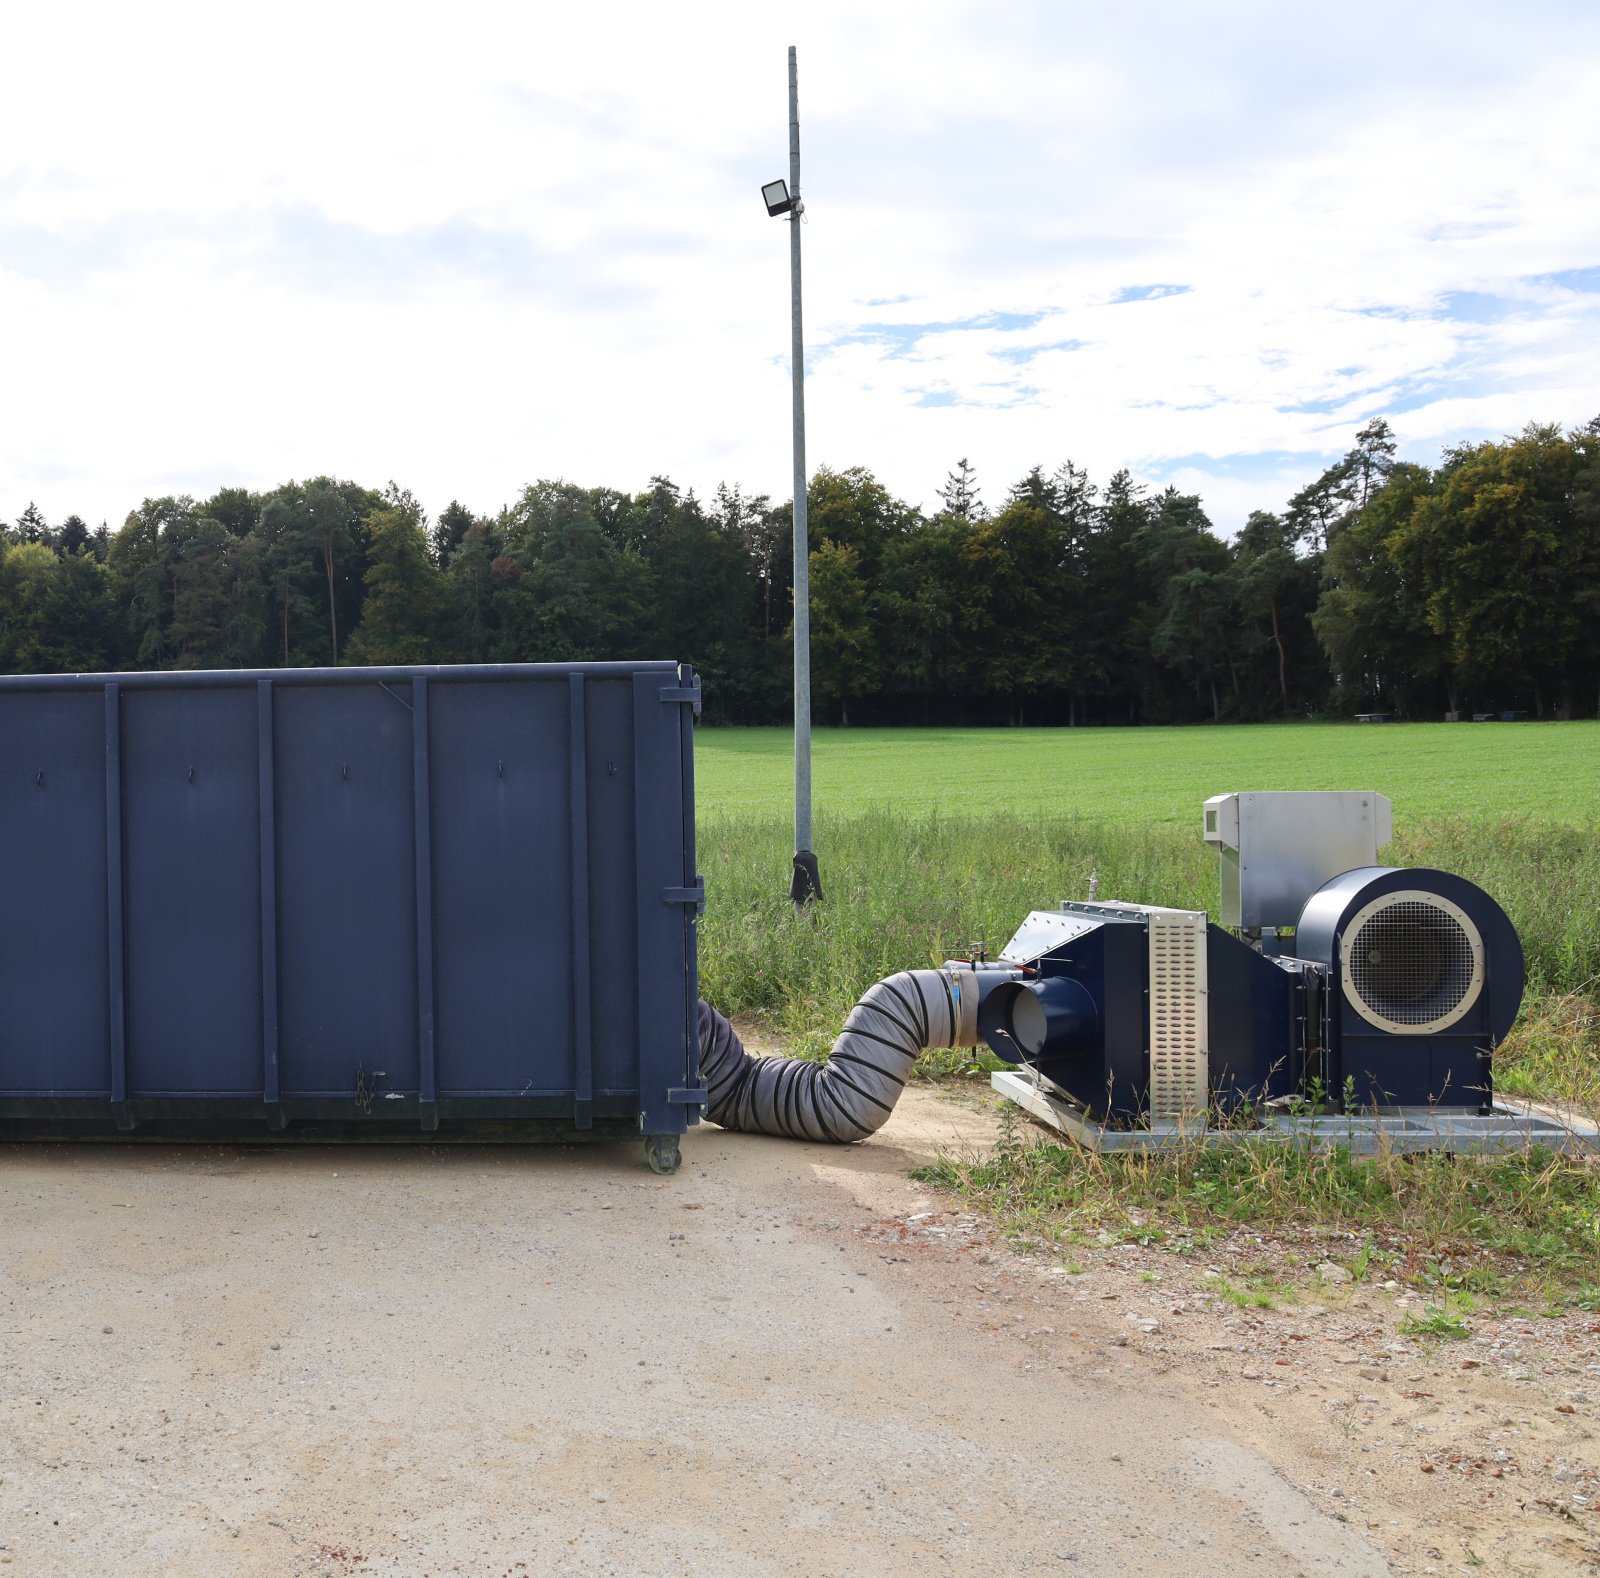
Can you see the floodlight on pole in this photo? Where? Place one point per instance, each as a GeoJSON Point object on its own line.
{"type": "Point", "coordinates": [783, 198]}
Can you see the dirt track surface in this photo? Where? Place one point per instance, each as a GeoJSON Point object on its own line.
{"type": "Point", "coordinates": [788, 1359]}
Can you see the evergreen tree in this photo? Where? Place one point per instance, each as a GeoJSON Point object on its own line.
{"type": "Point", "coordinates": [960, 493]}
{"type": "Point", "coordinates": [1371, 461]}
{"type": "Point", "coordinates": [1114, 630]}
{"type": "Point", "coordinates": [449, 531]}
{"type": "Point", "coordinates": [30, 527]}
{"type": "Point", "coordinates": [73, 537]}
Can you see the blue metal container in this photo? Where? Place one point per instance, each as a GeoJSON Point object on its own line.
{"type": "Point", "coordinates": [350, 903]}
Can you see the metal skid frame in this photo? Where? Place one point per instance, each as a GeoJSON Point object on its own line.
{"type": "Point", "coordinates": [1511, 1126]}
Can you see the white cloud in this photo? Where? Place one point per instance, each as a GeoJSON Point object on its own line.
{"type": "Point", "coordinates": [468, 248]}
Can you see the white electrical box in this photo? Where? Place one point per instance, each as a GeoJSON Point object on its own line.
{"type": "Point", "coordinates": [1277, 847]}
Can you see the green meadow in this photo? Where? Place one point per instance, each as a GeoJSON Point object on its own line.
{"type": "Point", "coordinates": [1549, 771]}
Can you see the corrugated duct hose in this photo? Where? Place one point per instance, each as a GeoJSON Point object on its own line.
{"type": "Point", "coordinates": [852, 1094]}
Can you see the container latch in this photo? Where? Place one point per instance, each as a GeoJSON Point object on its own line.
{"type": "Point", "coordinates": [681, 693]}
{"type": "Point", "coordinates": [695, 895]}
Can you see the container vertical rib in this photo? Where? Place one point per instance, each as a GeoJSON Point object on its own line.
{"type": "Point", "coordinates": [116, 936]}
{"type": "Point", "coordinates": [423, 828]}
{"type": "Point", "coordinates": [271, 1094]}
{"type": "Point", "coordinates": [578, 850]}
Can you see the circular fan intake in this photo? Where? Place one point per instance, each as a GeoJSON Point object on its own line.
{"type": "Point", "coordinates": [1413, 962]}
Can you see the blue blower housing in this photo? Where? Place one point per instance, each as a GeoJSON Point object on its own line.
{"type": "Point", "coordinates": [1426, 975]}
{"type": "Point", "coordinates": [1401, 984]}
{"type": "Point", "coordinates": [1333, 981]}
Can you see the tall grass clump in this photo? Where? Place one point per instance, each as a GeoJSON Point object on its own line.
{"type": "Point", "coordinates": [906, 892]}
{"type": "Point", "coordinates": [1546, 876]}
{"type": "Point", "coordinates": [1553, 1052]}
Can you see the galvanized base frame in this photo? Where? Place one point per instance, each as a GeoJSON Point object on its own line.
{"type": "Point", "coordinates": [1512, 1126]}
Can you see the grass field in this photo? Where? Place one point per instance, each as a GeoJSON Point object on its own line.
{"type": "Point", "coordinates": [1550, 771]}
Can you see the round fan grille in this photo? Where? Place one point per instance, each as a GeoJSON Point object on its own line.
{"type": "Point", "coordinates": [1413, 963]}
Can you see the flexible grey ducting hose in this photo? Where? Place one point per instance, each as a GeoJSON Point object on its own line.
{"type": "Point", "coordinates": [851, 1095]}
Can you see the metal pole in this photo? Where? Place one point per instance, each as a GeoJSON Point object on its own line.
{"type": "Point", "coordinates": [802, 590]}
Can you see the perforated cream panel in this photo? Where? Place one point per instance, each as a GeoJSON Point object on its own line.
{"type": "Point", "coordinates": [1179, 1049]}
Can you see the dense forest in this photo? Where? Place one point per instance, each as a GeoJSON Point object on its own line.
{"type": "Point", "coordinates": [1384, 586]}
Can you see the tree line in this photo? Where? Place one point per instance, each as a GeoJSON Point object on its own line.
{"type": "Point", "coordinates": [1383, 586]}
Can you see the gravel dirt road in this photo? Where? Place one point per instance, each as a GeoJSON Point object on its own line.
{"type": "Point", "coordinates": [787, 1359]}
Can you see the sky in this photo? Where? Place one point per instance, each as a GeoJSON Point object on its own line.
{"type": "Point", "coordinates": [463, 248]}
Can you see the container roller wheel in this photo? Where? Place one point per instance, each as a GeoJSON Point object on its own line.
{"type": "Point", "coordinates": [662, 1154]}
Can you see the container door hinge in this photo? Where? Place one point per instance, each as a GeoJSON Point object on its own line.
{"type": "Point", "coordinates": [695, 895]}
{"type": "Point", "coordinates": [681, 693]}
{"type": "Point", "coordinates": [687, 1096]}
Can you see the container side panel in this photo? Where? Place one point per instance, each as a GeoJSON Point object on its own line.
{"type": "Point", "coordinates": [53, 894]}
{"type": "Point", "coordinates": [613, 893]}
{"type": "Point", "coordinates": [346, 889]}
{"type": "Point", "coordinates": [190, 817]}
{"type": "Point", "coordinates": [501, 877]}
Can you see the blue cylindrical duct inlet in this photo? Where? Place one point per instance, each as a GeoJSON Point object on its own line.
{"type": "Point", "coordinates": [1024, 1020]}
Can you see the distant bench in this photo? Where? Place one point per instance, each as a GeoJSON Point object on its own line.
{"type": "Point", "coordinates": [1372, 717]}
